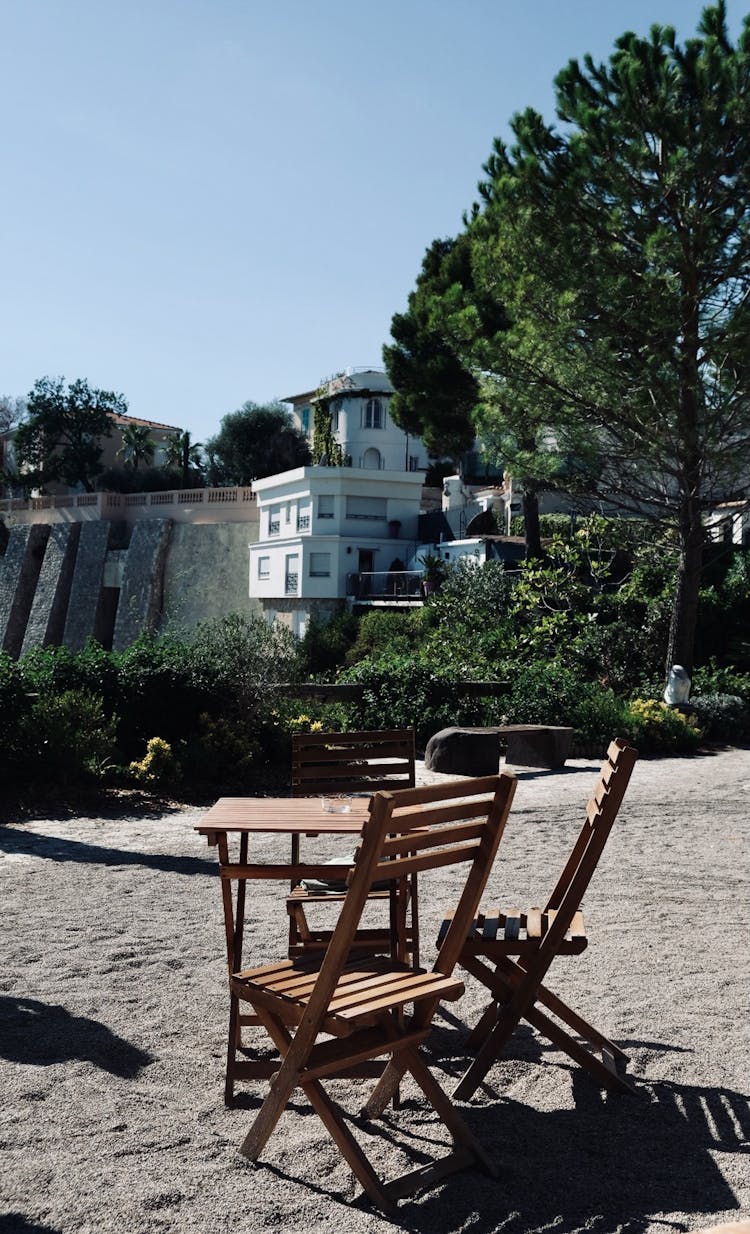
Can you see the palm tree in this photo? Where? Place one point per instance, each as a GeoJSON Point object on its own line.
{"type": "Point", "coordinates": [185, 454]}
{"type": "Point", "coordinates": [137, 445]}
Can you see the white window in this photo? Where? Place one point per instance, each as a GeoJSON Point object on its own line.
{"type": "Point", "coordinates": [373, 414]}
{"type": "Point", "coordinates": [371, 459]}
{"type": "Point", "coordinates": [413, 462]}
{"type": "Point", "coordinates": [288, 512]}
{"type": "Point", "coordinates": [325, 505]}
{"type": "Point", "coordinates": [366, 507]}
{"type": "Point", "coordinates": [264, 567]}
{"type": "Point", "coordinates": [304, 419]}
{"type": "Point", "coordinates": [320, 565]}
{"type": "Point", "coordinates": [291, 582]}
{"type": "Point", "coordinates": [335, 413]}
{"type": "Point", "coordinates": [274, 520]}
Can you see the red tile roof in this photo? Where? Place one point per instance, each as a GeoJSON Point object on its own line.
{"type": "Point", "coordinates": [125, 420]}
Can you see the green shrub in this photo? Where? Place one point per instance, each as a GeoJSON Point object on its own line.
{"type": "Point", "coordinates": [543, 693]}
{"type": "Point", "coordinates": [67, 738]}
{"type": "Point", "coordinates": [240, 657]}
{"type": "Point", "coordinates": [722, 717]}
{"type": "Point", "coordinates": [325, 644]}
{"type": "Point", "coordinates": [404, 692]}
{"type": "Point", "coordinates": [382, 631]}
{"type": "Point", "coordinates": [712, 678]}
{"type": "Point", "coordinates": [160, 690]}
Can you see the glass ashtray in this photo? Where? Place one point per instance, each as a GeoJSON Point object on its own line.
{"type": "Point", "coordinates": [340, 803]}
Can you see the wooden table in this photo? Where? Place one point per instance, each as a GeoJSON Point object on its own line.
{"type": "Point", "coordinates": [228, 826]}
{"type": "Point", "coordinates": [241, 817]}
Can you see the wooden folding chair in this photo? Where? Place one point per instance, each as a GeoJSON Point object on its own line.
{"type": "Point", "coordinates": [327, 1015]}
{"type": "Point", "coordinates": [360, 762]}
{"type": "Point", "coordinates": [535, 937]}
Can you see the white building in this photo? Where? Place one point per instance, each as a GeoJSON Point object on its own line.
{"type": "Point", "coordinates": [361, 422]}
{"type": "Point", "coordinates": [321, 528]}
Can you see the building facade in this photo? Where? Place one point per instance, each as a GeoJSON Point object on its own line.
{"type": "Point", "coordinates": [358, 403]}
{"type": "Point", "coordinates": [320, 528]}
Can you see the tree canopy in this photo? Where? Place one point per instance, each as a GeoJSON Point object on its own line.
{"type": "Point", "coordinates": [60, 438]}
{"type": "Point", "coordinates": [617, 246]}
{"type": "Point", "coordinates": [257, 440]}
{"type": "Point", "coordinates": [137, 446]}
{"type": "Point", "coordinates": [12, 409]}
{"type": "Point", "coordinates": [186, 457]}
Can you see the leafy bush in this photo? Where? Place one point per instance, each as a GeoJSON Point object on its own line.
{"type": "Point", "coordinates": [544, 693]}
{"type": "Point", "coordinates": [67, 738]}
{"type": "Point", "coordinates": [159, 688]}
{"type": "Point", "coordinates": [722, 717]}
{"type": "Point", "coordinates": [655, 728]}
{"type": "Point", "coordinates": [325, 643]}
{"type": "Point", "coordinates": [240, 657]}
{"type": "Point", "coordinates": [403, 692]}
{"type": "Point", "coordinates": [712, 678]}
{"type": "Point", "coordinates": [382, 631]}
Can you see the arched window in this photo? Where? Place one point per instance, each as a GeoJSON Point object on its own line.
{"type": "Point", "coordinates": [373, 413]}
{"type": "Point", "coordinates": [371, 459]}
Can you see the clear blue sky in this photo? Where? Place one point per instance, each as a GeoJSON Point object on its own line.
{"type": "Point", "coordinates": [208, 201]}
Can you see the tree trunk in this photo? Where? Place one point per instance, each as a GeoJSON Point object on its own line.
{"type": "Point", "coordinates": [681, 646]}
{"type": "Point", "coordinates": [530, 505]}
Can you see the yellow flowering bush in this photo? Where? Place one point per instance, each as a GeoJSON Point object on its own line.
{"type": "Point", "coordinates": [658, 728]}
{"type": "Point", "coordinates": [303, 724]}
{"type": "Point", "coordinates": [158, 766]}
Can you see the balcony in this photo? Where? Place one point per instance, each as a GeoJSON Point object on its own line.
{"type": "Point", "coordinates": [291, 584]}
{"type": "Point", "coordinates": [274, 526]}
{"type": "Point", "coordinates": [303, 522]}
{"type": "Point", "coordinates": [386, 587]}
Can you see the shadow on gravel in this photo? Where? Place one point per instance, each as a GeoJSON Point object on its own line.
{"type": "Point", "coordinates": [53, 848]}
{"type": "Point", "coordinates": [45, 1033]}
{"type": "Point", "coordinates": [16, 1223]}
{"type": "Point", "coordinates": [112, 805]}
{"type": "Point", "coordinates": [606, 1164]}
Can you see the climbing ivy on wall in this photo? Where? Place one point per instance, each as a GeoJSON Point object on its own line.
{"type": "Point", "coordinates": [325, 448]}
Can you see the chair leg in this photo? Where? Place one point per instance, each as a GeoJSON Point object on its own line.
{"type": "Point", "coordinates": [446, 1110]}
{"type": "Point", "coordinates": [385, 1089]}
{"type": "Point", "coordinates": [510, 979]}
{"type": "Point", "coordinates": [232, 1042]}
{"type": "Point", "coordinates": [608, 1077]}
{"type": "Point", "coordinates": [483, 1026]}
{"type": "Point", "coordinates": [350, 1149]}
{"type": "Point", "coordinates": [578, 1024]}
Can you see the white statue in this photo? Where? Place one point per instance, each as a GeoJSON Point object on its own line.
{"type": "Point", "coordinates": [677, 689]}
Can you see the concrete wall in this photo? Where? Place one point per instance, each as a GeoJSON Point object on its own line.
{"type": "Point", "coordinates": [206, 573]}
{"type": "Point", "coordinates": [85, 601]}
{"type": "Point", "coordinates": [140, 603]}
{"type": "Point", "coordinates": [19, 572]}
{"type": "Point", "coordinates": [49, 608]}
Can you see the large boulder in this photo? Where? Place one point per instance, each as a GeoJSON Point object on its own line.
{"type": "Point", "coordinates": [464, 752]}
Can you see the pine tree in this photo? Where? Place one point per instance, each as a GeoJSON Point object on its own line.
{"type": "Point", "coordinates": [618, 247]}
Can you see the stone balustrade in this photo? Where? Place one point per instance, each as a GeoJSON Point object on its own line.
{"type": "Point", "coordinates": [200, 505]}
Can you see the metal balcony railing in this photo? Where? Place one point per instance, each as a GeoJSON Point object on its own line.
{"type": "Point", "coordinates": [291, 585]}
{"type": "Point", "coordinates": [385, 585]}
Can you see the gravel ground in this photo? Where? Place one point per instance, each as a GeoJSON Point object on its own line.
{"type": "Point", "coordinates": [113, 1013]}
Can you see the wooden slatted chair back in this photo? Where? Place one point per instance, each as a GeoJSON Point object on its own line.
{"type": "Point", "coordinates": [361, 762]}
{"type": "Point", "coordinates": [448, 824]}
{"type": "Point", "coordinates": [601, 813]}
{"type": "Point", "coordinates": [406, 833]}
